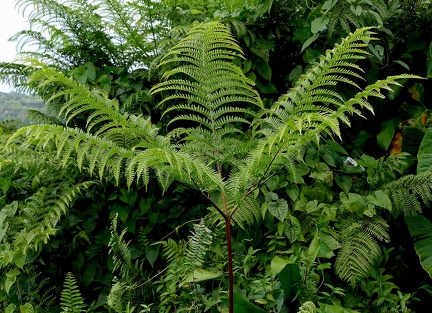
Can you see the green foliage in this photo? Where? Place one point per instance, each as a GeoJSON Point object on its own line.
{"type": "Point", "coordinates": [424, 155]}
{"type": "Point", "coordinates": [71, 299]}
{"type": "Point", "coordinates": [359, 247]}
{"type": "Point", "coordinates": [307, 208]}
{"type": "Point", "coordinates": [409, 193]}
{"type": "Point", "coordinates": [420, 230]}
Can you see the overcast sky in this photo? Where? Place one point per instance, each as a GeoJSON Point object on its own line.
{"type": "Point", "coordinates": [11, 22]}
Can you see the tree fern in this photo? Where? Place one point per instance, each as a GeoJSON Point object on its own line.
{"type": "Point", "coordinates": [212, 97]}
{"type": "Point", "coordinates": [71, 300]}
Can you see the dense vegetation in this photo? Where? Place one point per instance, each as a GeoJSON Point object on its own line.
{"type": "Point", "coordinates": [219, 156]}
{"type": "Point", "coordinates": [14, 106]}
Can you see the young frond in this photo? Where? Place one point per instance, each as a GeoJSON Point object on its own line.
{"type": "Point", "coordinates": [205, 76]}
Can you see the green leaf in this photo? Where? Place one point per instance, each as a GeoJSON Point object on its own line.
{"type": "Point", "coordinates": [80, 75]}
{"type": "Point", "coordinates": [328, 308]}
{"type": "Point", "coordinates": [328, 245]}
{"type": "Point", "coordinates": [13, 273]}
{"type": "Point", "coordinates": [328, 5]}
{"type": "Point", "coordinates": [308, 42]}
{"type": "Point", "coordinates": [272, 183]}
{"type": "Point", "coordinates": [344, 182]}
{"type": "Point", "coordinates": [295, 73]}
{"type": "Point", "coordinates": [356, 10]}
{"type": "Point", "coordinates": [293, 229]}
{"type": "Point", "coordinates": [264, 69]}
{"type": "Point", "coordinates": [151, 253]}
{"type": "Point", "coordinates": [277, 265]}
{"type": "Point", "coordinates": [380, 199]}
{"type": "Point", "coordinates": [90, 71]}
{"type": "Point", "coordinates": [318, 24]}
{"type": "Point", "coordinates": [412, 138]}
{"type": "Point", "coordinates": [242, 305]}
{"type": "Point", "coordinates": [10, 308]}
{"type": "Point", "coordinates": [9, 283]}
{"type": "Point", "coordinates": [424, 155]}
{"type": "Point", "coordinates": [200, 275]}
{"type": "Point", "coordinates": [420, 229]}
{"type": "Point", "coordinates": [290, 278]}
{"type": "Point", "coordinates": [314, 248]}
{"type": "Point", "coordinates": [406, 66]}
{"type": "Point", "coordinates": [89, 274]}
{"type": "Point", "coordinates": [78, 261]}
{"type": "Point", "coordinates": [5, 184]}
{"type": "Point", "coordinates": [311, 55]}
{"type": "Point", "coordinates": [429, 62]}
{"type": "Point", "coordinates": [292, 191]}
{"type": "Point", "coordinates": [385, 137]}
{"type": "Point", "coordinates": [278, 209]}
{"type": "Point", "coordinates": [27, 308]}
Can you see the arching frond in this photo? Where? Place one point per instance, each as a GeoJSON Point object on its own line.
{"type": "Point", "coordinates": [104, 117]}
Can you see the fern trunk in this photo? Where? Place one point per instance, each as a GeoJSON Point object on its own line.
{"type": "Point", "coordinates": [230, 264]}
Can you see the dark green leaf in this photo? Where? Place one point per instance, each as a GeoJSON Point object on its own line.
{"type": "Point", "coordinates": [385, 137]}
{"type": "Point", "coordinates": [290, 278]}
{"type": "Point", "coordinates": [412, 137]}
{"type": "Point", "coordinates": [292, 191]}
{"type": "Point", "coordinates": [293, 229]}
{"type": "Point", "coordinates": [420, 229]}
{"type": "Point", "coordinates": [278, 209]}
{"type": "Point", "coordinates": [424, 155]}
{"type": "Point", "coordinates": [151, 253]}
{"type": "Point", "coordinates": [89, 273]}
{"type": "Point", "coordinates": [344, 182]}
{"type": "Point", "coordinates": [242, 305]}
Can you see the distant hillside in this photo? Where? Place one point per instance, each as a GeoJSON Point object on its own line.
{"type": "Point", "coordinates": [15, 106]}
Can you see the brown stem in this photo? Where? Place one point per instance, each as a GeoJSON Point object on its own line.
{"type": "Point", "coordinates": [230, 264]}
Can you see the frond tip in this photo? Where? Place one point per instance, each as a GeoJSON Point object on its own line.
{"type": "Point", "coordinates": [71, 299]}
{"type": "Point", "coordinates": [214, 83]}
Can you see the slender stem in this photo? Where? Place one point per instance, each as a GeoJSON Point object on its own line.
{"type": "Point", "coordinates": [230, 264]}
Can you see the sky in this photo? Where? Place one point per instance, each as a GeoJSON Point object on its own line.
{"type": "Point", "coordinates": [11, 22]}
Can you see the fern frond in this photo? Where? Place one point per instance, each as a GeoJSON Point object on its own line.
{"type": "Point", "coordinates": [104, 116]}
{"type": "Point", "coordinates": [217, 92]}
{"type": "Point", "coordinates": [71, 300]}
{"type": "Point", "coordinates": [172, 250]}
{"type": "Point", "coordinates": [410, 193]}
{"type": "Point", "coordinates": [359, 247]}
{"type": "Point", "coordinates": [120, 252]}
{"type": "Point", "coordinates": [198, 244]}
